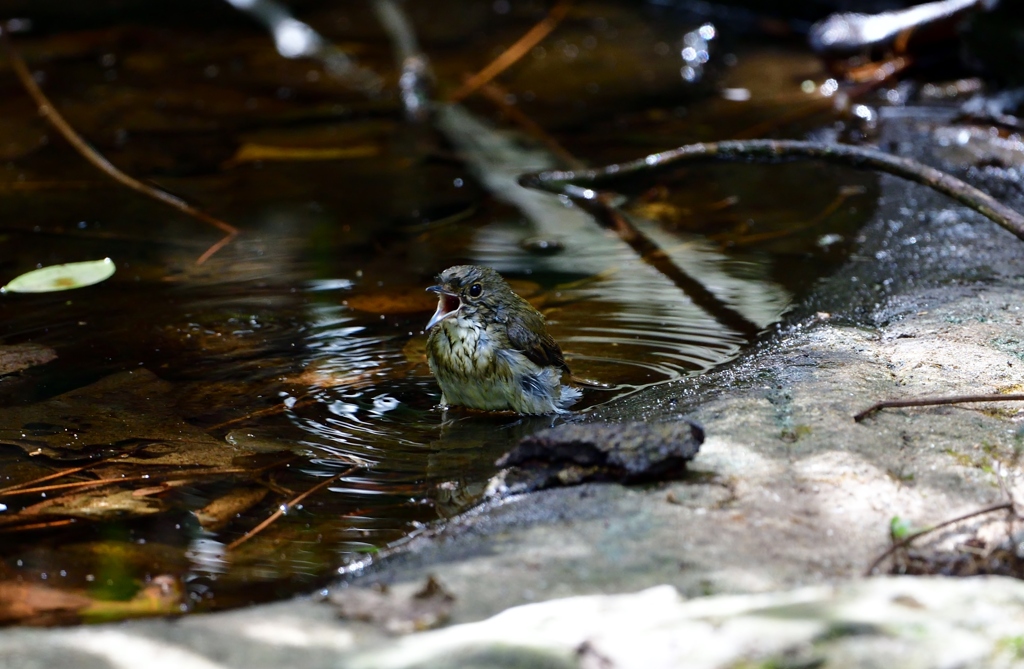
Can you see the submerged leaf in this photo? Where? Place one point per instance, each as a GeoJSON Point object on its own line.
{"type": "Point", "coordinates": [62, 277]}
{"type": "Point", "coordinates": [161, 596]}
{"type": "Point", "coordinates": [218, 513]}
{"type": "Point", "coordinates": [98, 505]}
{"type": "Point", "coordinates": [29, 604]}
{"type": "Point", "coordinates": [18, 357]}
{"type": "Point", "coordinates": [128, 413]}
{"type": "Point", "coordinates": [251, 153]}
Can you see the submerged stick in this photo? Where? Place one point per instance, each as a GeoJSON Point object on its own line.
{"type": "Point", "coordinates": [579, 182]}
{"type": "Point", "coordinates": [283, 509]}
{"type": "Point", "coordinates": [934, 401]}
{"type": "Point", "coordinates": [55, 119]}
{"type": "Point", "coordinates": [511, 55]}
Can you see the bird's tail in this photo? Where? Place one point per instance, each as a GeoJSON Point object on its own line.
{"type": "Point", "coordinates": [569, 397]}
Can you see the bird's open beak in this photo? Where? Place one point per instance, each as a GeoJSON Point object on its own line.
{"type": "Point", "coordinates": [447, 304]}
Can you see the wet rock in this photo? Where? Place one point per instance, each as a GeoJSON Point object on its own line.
{"type": "Point", "coordinates": [623, 452]}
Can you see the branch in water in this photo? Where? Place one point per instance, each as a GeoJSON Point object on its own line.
{"type": "Point", "coordinates": [576, 183]}
{"type": "Point", "coordinates": [511, 55]}
{"type": "Point", "coordinates": [54, 118]}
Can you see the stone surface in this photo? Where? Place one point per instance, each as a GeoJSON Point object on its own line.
{"type": "Point", "coordinates": [905, 622]}
{"type": "Point", "coordinates": [909, 622]}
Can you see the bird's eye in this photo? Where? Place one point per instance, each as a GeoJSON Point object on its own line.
{"type": "Point", "coordinates": [475, 290]}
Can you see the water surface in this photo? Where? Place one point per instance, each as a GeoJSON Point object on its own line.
{"type": "Point", "coordinates": [297, 352]}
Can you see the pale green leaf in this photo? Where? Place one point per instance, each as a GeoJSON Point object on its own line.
{"type": "Point", "coordinates": [62, 277]}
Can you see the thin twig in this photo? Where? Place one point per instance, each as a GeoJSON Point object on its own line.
{"type": "Point", "coordinates": [946, 523]}
{"type": "Point", "coordinates": [283, 509]}
{"type": "Point", "coordinates": [512, 54]}
{"type": "Point", "coordinates": [935, 401]}
{"type": "Point", "coordinates": [169, 476]}
{"type": "Point", "coordinates": [574, 183]}
{"type": "Point", "coordinates": [55, 475]}
{"type": "Point", "coordinates": [47, 525]}
{"type": "Point", "coordinates": [303, 400]}
{"type": "Point", "coordinates": [54, 118]}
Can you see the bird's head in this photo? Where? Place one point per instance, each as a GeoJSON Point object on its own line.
{"type": "Point", "coordinates": [467, 289]}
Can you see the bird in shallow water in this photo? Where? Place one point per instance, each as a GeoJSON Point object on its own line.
{"type": "Point", "coordinates": [489, 348]}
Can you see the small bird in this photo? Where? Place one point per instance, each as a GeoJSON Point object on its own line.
{"type": "Point", "coordinates": [489, 348]}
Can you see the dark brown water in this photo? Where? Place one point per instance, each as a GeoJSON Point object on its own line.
{"type": "Point", "coordinates": [296, 352]}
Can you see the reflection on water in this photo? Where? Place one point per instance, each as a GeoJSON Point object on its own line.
{"type": "Point", "coordinates": [628, 325]}
{"type": "Point", "coordinates": [372, 400]}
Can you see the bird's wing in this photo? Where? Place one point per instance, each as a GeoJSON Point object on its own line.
{"type": "Point", "coordinates": [527, 333]}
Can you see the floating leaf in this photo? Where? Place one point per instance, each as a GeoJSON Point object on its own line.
{"type": "Point", "coordinates": [62, 277]}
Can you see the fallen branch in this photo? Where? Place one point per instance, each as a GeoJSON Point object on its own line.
{"type": "Point", "coordinates": [906, 541]}
{"type": "Point", "coordinates": [579, 183]}
{"type": "Point", "coordinates": [934, 401]}
{"type": "Point", "coordinates": [54, 118]}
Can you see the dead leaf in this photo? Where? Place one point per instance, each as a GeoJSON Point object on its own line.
{"type": "Point", "coordinates": [161, 596]}
{"type": "Point", "coordinates": [425, 609]}
{"type": "Point", "coordinates": [256, 440]}
{"type": "Point", "coordinates": [96, 505]}
{"type": "Point", "coordinates": [28, 604]}
{"type": "Point", "coordinates": [217, 514]}
{"type": "Point", "coordinates": [18, 357]}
